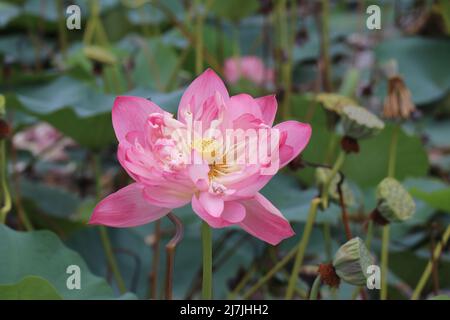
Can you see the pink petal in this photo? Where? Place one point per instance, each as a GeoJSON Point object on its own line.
{"type": "Point", "coordinates": [130, 114]}
{"type": "Point", "coordinates": [199, 175]}
{"type": "Point", "coordinates": [169, 195]}
{"type": "Point", "coordinates": [203, 87]}
{"type": "Point", "coordinates": [264, 221]}
{"type": "Point", "coordinates": [213, 204]}
{"type": "Point", "coordinates": [215, 222]}
{"type": "Point", "coordinates": [239, 105]}
{"type": "Point", "coordinates": [233, 212]}
{"type": "Point", "coordinates": [296, 135]}
{"type": "Point", "coordinates": [126, 208]}
{"type": "Point", "coordinates": [269, 107]}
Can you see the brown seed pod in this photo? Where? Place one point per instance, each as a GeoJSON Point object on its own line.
{"type": "Point", "coordinates": [398, 103]}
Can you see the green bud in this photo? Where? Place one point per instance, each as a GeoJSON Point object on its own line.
{"type": "Point", "coordinates": [322, 175]}
{"type": "Point", "coordinates": [395, 203]}
{"type": "Point", "coordinates": [351, 262]}
{"type": "Point", "coordinates": [359, 123]}
{"type": "Point", "coordinates": [99, 54]}
{"type": "Point", "coordinates": [334, 102]}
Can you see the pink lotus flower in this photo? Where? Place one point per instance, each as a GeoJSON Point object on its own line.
{"type": "Point", "coordinates": [43, 140]}
{"type": "Point", "coordinates": [250, 68]}
{"type": "Point", "coordinates": [222, 194]}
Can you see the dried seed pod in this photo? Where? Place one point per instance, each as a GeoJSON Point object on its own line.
{"type": "Point", "coordinates": [395, 204]}
{"type": "Point", "coordinates": [351, 262]}
{"type": "Point", "coordinates": [359, 123]}
{"type": "Point", "coordinates": [5, 129]}
{"type": "Point", "coordinates": [398, 103]}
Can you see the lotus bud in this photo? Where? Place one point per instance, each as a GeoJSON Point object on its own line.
{"type": "Point", "coordinates": [351, 262]}
{"type": "Point", "coordinates": [360, 123]}
{"type": "Point", "coordinates": [395, 204]}
{"type": "Point", "coordinates": [99, 54]}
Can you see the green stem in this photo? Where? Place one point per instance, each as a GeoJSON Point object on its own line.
{"type": "Point", "coordinates": [106, 243]}
{"type": "Point", "coordinates": [285, 57]}
{"type": "Point", "coordinates": [315, 288]}
{"type": "Point", "coordinates": [385, 233]}
{"type": "Point", "coordinates": [62, 31]}
{"type": "Point", "coordinates": [327, 241]}
{"type": "Point", "coordinates": [384, 262]}
{"type": "Point", "coordinates": [336, 167]}
{"type": "Point", "coordinates": [207, 261]}
{"type": "Point", "coordinates": [302, 248]}
{"type": "Point", "coordinates": [245, 279]}
{"type": "Point", "coordinates": [428, 269]}
{"type": "Point", "coordinates": [4, 184]}
{"type": "Point", "coordinates": [199, 38]}
{"type": "Point", "coordinates": [349, 83]}
{"type": "Point", "coordinates": [325, 34]}
{"type": "Point", "coordinates": [107, 247]}
{"type": "Point", "coordinates": [271, 273]}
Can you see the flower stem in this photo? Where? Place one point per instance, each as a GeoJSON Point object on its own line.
{"type": "Point", "coordinates": [327, 241]}
{"type": "Point", "coordinates": [199, 39]}
{"type": "Point", "coordinates": [427, 272]}
{"type": "Point", "coordinates": [315, 288]}
{"type": "Point", "coordinates": [107, 247]}
{"type": "Point", "coordinates": [232, 295]}
{"type": "Point", "coordinates": [155, 260]}
{"type": "Point", "coordinates": [285, 55]}
{"type": "Point", "coordinates": [207, 261]}
{"type": "Point", "coordinates": [325, 34]}
{"type": "Point", "coordinates": [170, 253]}
{"type": "Point", "coordinates": [271, 273]}
{"type": "Point", "coordinates": [302, 248]}
{"type": "Point", "coordinates": [106, 243]}
{"type": "Point", "coordinates": [6, 207]}
{"type": "Point", "coordinates": [211, 59]}
{"type": "Point", "coordinates": [62, 31]}
{"type": "Point", "coordinates": [384, 261]}
{"type": "Point", "coordinates": [336, 167]}
{"type": "Point", "coordinates": [385, 232]}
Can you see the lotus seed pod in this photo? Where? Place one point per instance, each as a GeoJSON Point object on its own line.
{"type": "Point", "coordinates": [334, 102]}
{"type": "Point", "coordinates": [322, 175]}
{"type": "Point", "coordinates": [395, 203]}
{"type": "Point", "coordinates": [360, 123]}
{"type": "Point", "coordinates": [351, 262]}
